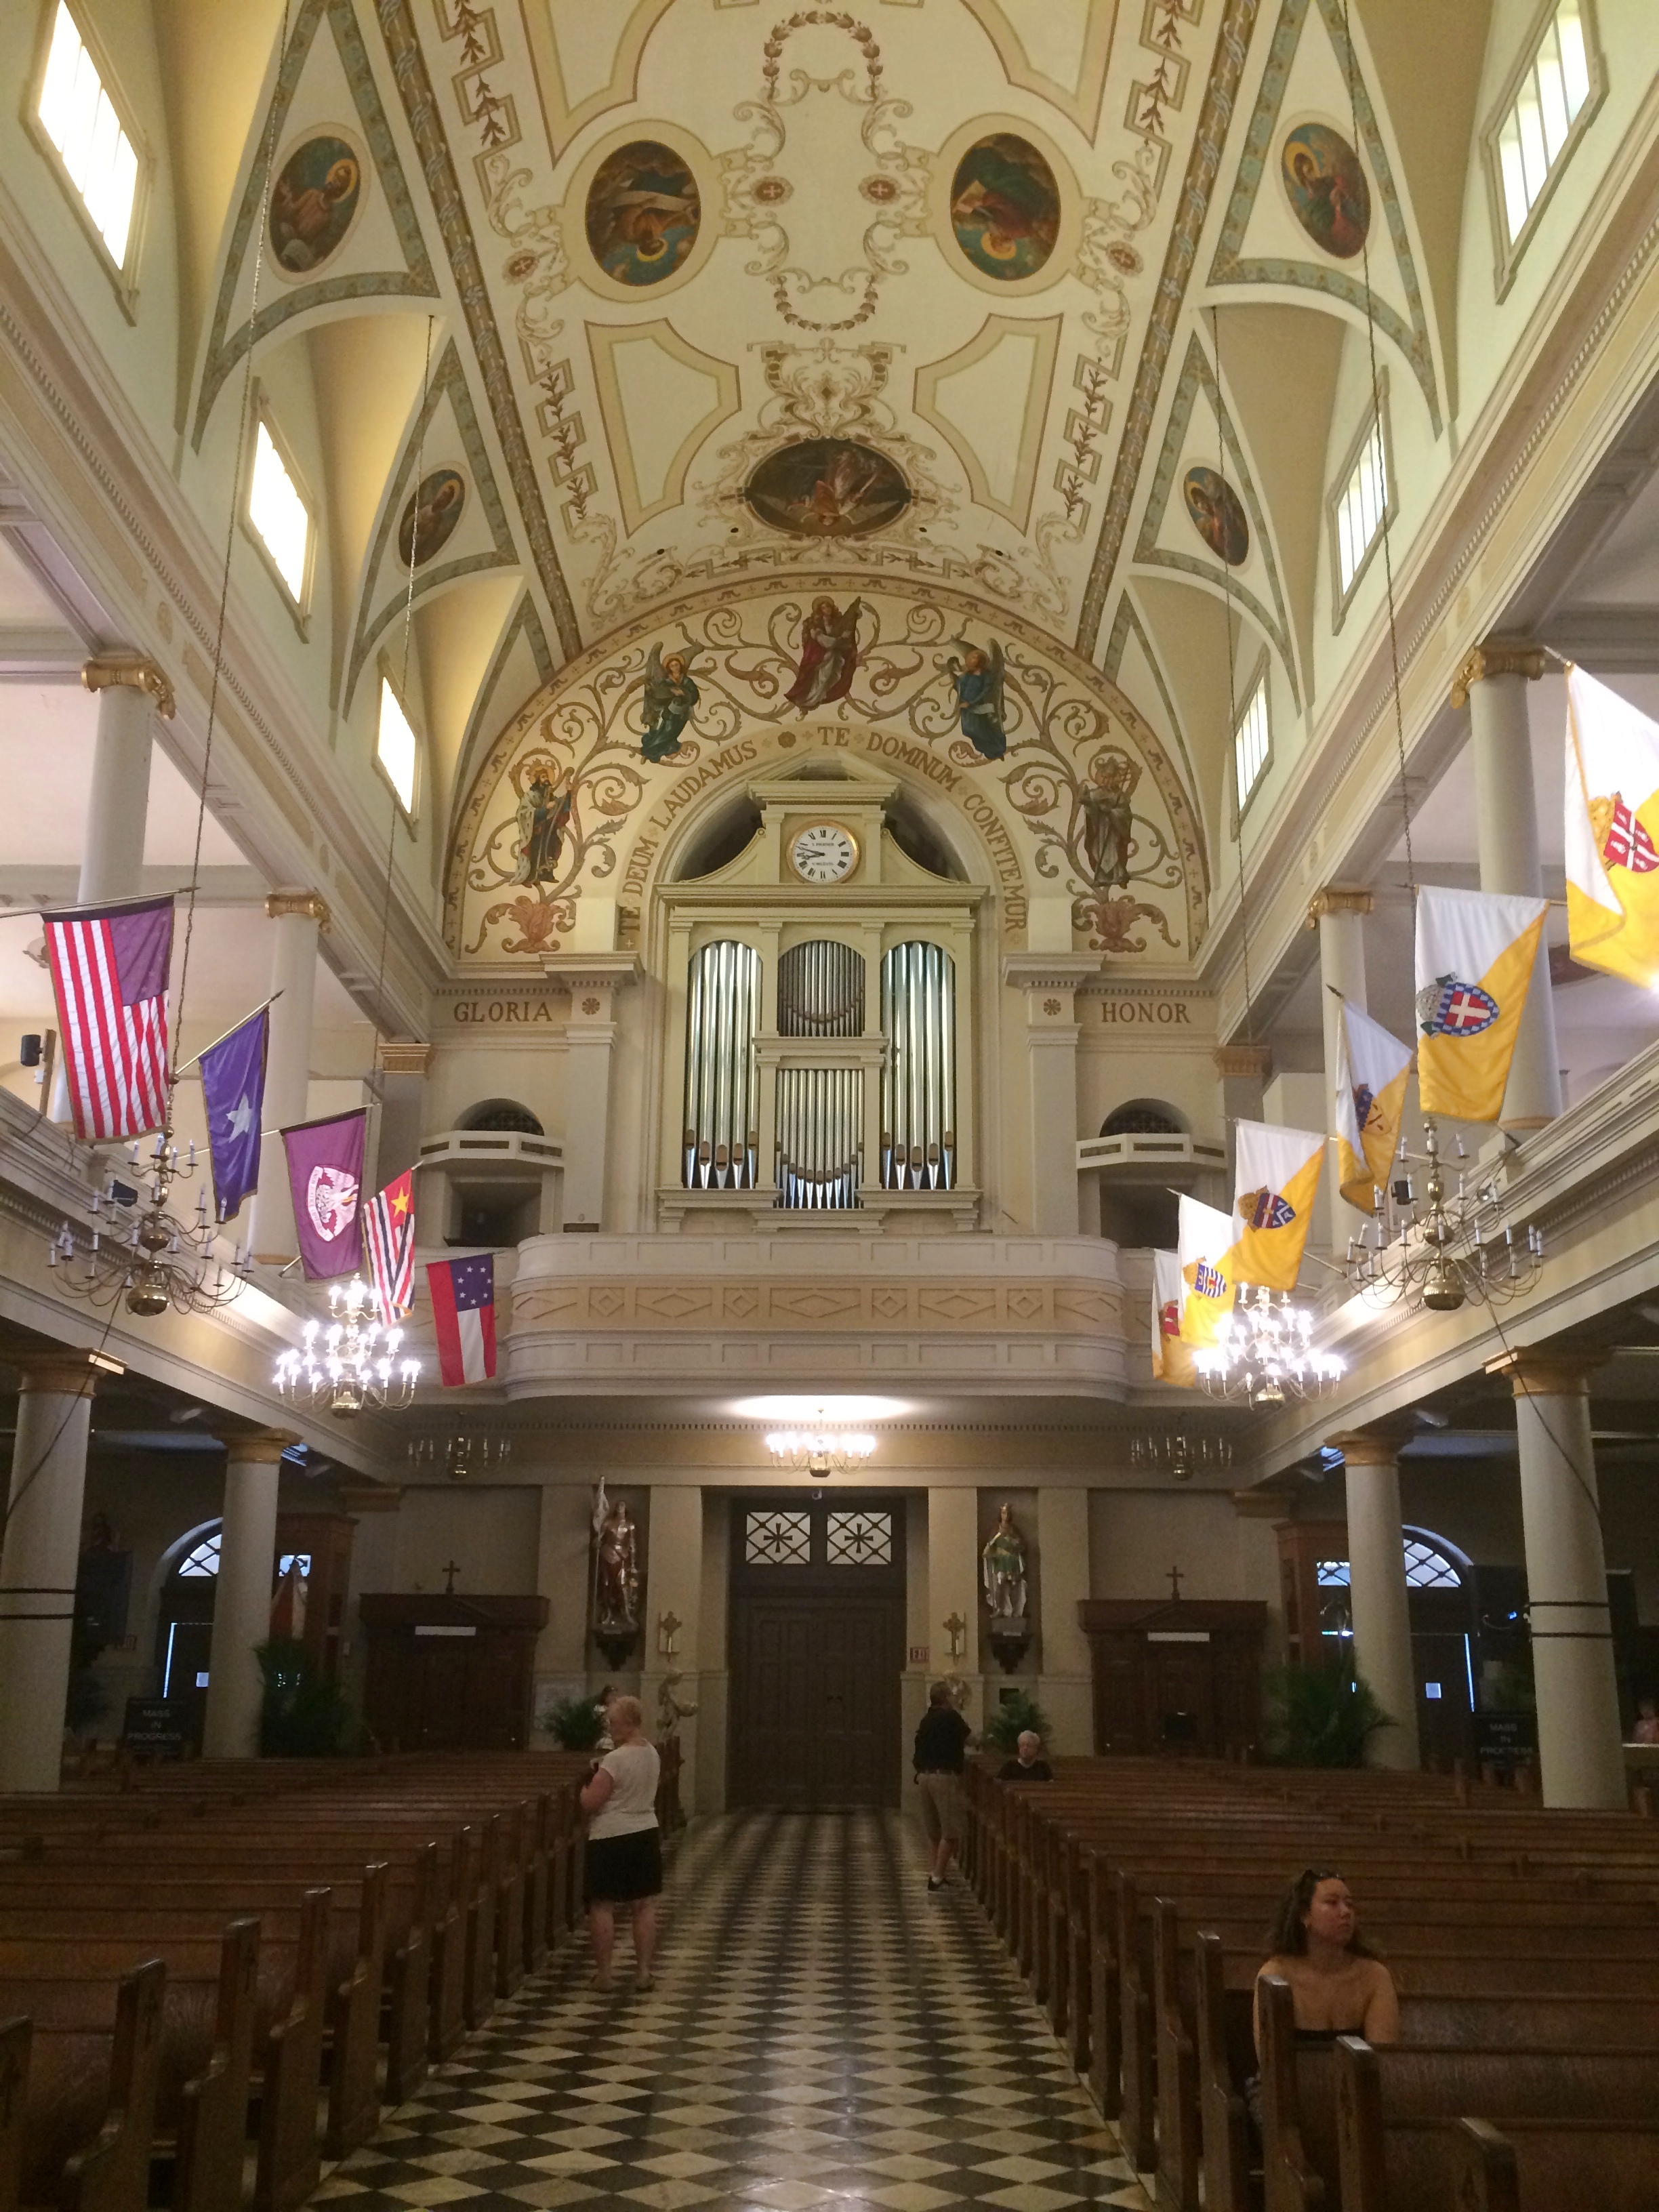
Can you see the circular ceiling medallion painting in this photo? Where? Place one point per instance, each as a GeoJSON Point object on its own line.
{"type": "Point", "coordinates": [1004, 206]}
{"type": "Point", "coordinates": [313, 202]}
{"type": "Point", "coordinates": [1213, 507]}
{"type": "Point", "coordinates": [428, 521]}
{"type": "Point", "coordinates": [826, 488]}
{"type": "Point", "coordinates": [643, 213]}
{"type": "Point", "coordinates": [1327, 187]}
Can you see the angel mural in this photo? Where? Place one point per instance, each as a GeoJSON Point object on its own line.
{"type": "Point", "coordinates": [829, 656]}
{"type": "Point", "coordinates": [670, 693]}
{"type": "Point", "coordinates": [543, 816]}
{"type": "Point", "coordinates": [1108, 818]}
{"type": "Point", "coordinates": [976, 680]}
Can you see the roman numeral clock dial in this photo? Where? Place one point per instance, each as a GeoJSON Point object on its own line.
{"type": "Point", "coordinates": [824, 852]}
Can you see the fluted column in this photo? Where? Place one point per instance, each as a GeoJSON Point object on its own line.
{"type": "Point", "coordinates": [297, 918]}
{"type": "Point", "coordinates": [1579, 1755]}
{"type": "Point", "coordinates": [1340, 917]}
{"type": "Point", "coordinates": [1377, 1593]}
{"type": "Point", "coordinates": [241, 1603]}
{"type": "Point", "coordinates": [38, 1562]}
{"type": "Point", "coordinates": [1493, 680]}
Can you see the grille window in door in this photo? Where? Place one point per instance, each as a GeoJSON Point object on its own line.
{"type": "Point", "coordinates": [861, 1540]}
{"type": "Point", "coordinates": [777, 1540]}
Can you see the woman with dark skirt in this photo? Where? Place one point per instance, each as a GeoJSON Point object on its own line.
{"type": "Point", "coordinates": [623, 1859]}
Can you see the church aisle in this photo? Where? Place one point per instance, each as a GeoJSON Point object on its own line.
{"type": "Point", "coordinates": [822, 2033]}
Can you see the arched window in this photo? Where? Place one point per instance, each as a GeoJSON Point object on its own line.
{"type": "Point", "coordinates": [722, 1074]}
{"type": "Point", "coordinates": [203, 1560]}
{"type": "Point", "coordinates": [1143, 1117]}
{"type": "Point", "coordinates": [504, 1115]}
{"type": "Point", "coordinates": [918, 1082]}
{"type": "Point", "coordinates": [1431, 1563]}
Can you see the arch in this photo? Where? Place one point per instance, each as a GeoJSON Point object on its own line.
{"type": "Point", "coordinates": [821, 989]}
{"type": "Point", "coordinates": [716, 838]}
{"type": "Point", "coordinates": [502, 1113]}
{"type": "Point", "coordinates": [1150, 1117]}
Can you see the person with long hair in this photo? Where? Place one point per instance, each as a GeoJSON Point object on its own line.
{"type": "Point", "coordinates": [624, 1859]}
{"type": "Point", "coordinates": [1338, 1986]}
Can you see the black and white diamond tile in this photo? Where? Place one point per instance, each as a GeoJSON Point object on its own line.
{"type": "Point", "coordinates": [824, 2036]}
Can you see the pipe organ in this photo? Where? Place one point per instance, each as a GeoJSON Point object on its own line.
{"type": "Point", "coordinates": [722, 1073]}
{"type": "Point", "coordinates": [820, 1110]}
{"type": "Point", "coordinates": [918, 1082]}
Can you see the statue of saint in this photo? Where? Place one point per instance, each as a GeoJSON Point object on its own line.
{"type": "Point", "coordinates": [1003, 1568]}
{"type": "Point", "coordinates": [617, 1575]}
{"type": "Point", "coordinates": [671, 1709]}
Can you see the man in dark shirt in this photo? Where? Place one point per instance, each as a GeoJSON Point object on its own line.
{"type": "Point", "coordinates": [940, 1755]}
{"type": "Point", "coordinates": [1029, 1766]}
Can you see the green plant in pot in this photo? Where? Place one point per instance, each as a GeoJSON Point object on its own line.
{"type": "Point", "coordinates": [1320, 1716]}
{"type": "Point", "coordinates": [304, 1714]}
{"type": "Point", "coordinates": [575, 1723]}
{"type": "Point", "coordinates": [1010, 1718]}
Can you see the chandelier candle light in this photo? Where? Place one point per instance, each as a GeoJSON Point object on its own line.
{"type": "Point", "coordinates": [1264, 1353]}
{"type": "Point", "coordinates": [816, 1436]}
{"type": "Point", "coordinates": [350, 1363]}
{"type": "Point", "coordinates": [139, 1248]}
{"type": "Point", "coordinates": [1451, 1252]}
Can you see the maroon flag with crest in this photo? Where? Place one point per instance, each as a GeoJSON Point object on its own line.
{"type": "Point", "coordinates": [325, 1175]}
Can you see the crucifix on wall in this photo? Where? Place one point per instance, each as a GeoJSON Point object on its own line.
{"type": "Point", "coordinates": [450, 1571]}
{"type": "Point", "coordinates": [1175, 1580]}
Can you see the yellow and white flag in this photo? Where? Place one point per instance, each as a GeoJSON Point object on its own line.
{"type": "Point", "coordinates": [1612, 824]}
{"type": "Point", "coordinates": [1172, 1360]}
{"type": "Point", "coordinates": [1207, 1288]}
{"type": "Point", "coordinates": [1475, 951]}
{"type": "Point", "coordinates": [1275, 1177]}
{"type": "Point", "coordinates": [1372, 1070]}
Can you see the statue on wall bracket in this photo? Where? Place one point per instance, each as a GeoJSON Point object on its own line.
{"type": "Point", "coordinates": [615, 1613]}
{"type": "Point", "coordinates": [1002, 1569]}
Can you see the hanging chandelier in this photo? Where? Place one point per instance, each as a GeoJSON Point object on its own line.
{"type": "Point", "coordinates": [1181, 1456]}
{"type": "Point", "coordinates": [139, 1251]}
{"type": "Point", "coordinates": [463, 1456]}
{"type": "Point", "coordinates": [1447, 1253]}
{"type": "Point", "coordinates": [349, 1363]}
{"type": "Point", "coordinates": [819, 1452]}
{"type": "Point", "coordinates": [1265, 1354]}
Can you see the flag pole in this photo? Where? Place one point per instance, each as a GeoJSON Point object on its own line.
{"type": "Point", "coordinates": [230, 1032]}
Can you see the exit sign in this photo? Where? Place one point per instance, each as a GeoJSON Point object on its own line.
{"type": "Point", "coordinates": [918, 1654]}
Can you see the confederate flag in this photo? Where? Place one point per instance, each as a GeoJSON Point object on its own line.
{"type": "Point", "coordinates": [464, 1313]}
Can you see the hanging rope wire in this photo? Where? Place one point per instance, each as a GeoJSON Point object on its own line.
{"type": "Point", "coordinates": [267, 163]}
{"type": "Point", "coordinates": [403, 679]}
{"type": "Point", "coordinates": [1382, 464]}
{"type": "Point", "coordinates": [1232, 694]}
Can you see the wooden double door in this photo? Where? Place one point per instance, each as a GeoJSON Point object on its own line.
{"type": "Point", "coordinates": [817, 1650]}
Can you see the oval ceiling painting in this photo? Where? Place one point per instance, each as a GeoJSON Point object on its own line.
{"type": "Point", "coordinates": [1213, 508]}
{"type": "Point", "coordinates": [429, 516]}
{"type": "Point", "coordinates": [826, 488]}
{"type": "Point", "coordinates": [1325, 184]}
{"type": "Point", "coordinates": [643, 213]}
{"type": "Point", "coordinates": [1005, 207]}
{"type": "Point", "coordinates": [313, 202]}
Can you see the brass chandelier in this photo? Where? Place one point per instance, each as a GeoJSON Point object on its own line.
{"type": "Point", "coordinates": [350, 1362]}
{"type": "Point", "coordinates": [1449, 1252]}
{"type": "Point", "coordinates": [139, 1251]}
{"type": "Point", "coordinates": [1264, 1354]}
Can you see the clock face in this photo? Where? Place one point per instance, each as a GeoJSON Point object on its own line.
{"type": "Point", "coordinates": [823, 854]}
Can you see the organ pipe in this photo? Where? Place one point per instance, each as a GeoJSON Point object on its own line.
{"type": "Point", "coordinates": [821, 990]}
{"type": "Point", "coordinates": [722, 1073]}
{"type": "Point", "coordinates": [918, 1085]}
{"type": "Point", "coordinates": [820, 1122]}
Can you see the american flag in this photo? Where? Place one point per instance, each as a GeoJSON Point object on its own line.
{"type": "Point", "coordinates": [1627, 844]}
{"type": "Point", "coordinates": [389, 1237]}
{"type": "Point", "coordinates": [109, 971]}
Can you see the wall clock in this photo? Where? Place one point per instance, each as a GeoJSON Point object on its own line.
{"type": "Point", "coordinates": [824, 852]}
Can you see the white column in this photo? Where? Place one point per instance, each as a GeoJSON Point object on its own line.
{"type": "Point", "coordinates": [297, 917]}
{"type": "Point", "coordinates": [590, 1034]}
{"type": "Point", "coordinates": [1340, 917]}
{"type": "Point", "coordinates": [1494, 678]}
{"type": "Point", "coordinates": [1377, 1593]}
{"type": "Point", "coordinates": [1579, 1756]}
{"type": "Point", "coordinates": [38, 1564]}
{"type": "Point", "coordinates": [1064, 1687]}
{"type": "Point", "coordinates": [1049, 981]}
{"type": "Point", "coordinates": [674, 1593]}
{"type": "Point", "coordinates": [241, 1603]}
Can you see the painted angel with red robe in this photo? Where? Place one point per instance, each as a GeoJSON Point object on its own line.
{"type": "Point", "coordinates": [829, 656]}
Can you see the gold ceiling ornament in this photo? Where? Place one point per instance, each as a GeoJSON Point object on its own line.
{"type": "Point", "coordinates": [134, 674]}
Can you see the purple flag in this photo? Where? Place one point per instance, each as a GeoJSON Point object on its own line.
{"type": "Point", "coordinates": [325, 1175]}
{"type": "Point", "coordinates": [233, 1093]}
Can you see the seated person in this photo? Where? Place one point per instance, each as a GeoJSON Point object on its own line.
{"type": "Point", "coordinates": [1338, 1986]}
{"type": "Point", "coordinates": [1646, 1729]}
{"type": "Point", "coordinates": [1029, 1765]}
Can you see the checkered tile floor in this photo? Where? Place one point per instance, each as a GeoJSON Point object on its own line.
{"type": "Point", "coordinates": [822, 2033]}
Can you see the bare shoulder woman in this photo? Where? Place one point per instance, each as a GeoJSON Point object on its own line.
{"type": "Point", "coordinates": [1338, 1986]}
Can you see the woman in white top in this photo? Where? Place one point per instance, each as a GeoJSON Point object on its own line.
{"type": "Point", "coordinates": [624, 1859]}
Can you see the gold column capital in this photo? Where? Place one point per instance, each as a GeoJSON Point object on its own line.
{"type": "Point", "coordinates": [130, 673]}
{"type": "Point", "coordinates": [64, 1370]}
{"type": "Point", "coordinates": [1496, 656]}
{"type": "Point", "coordinates": [1331, 898]}
{"type": "Point", "coordinates": [259, 1444]}
{"type": "Point", "coordinates": [1545, 1374]}
{"type": "Point", "coordinates": [396, 1057]}
{"type": "Point", "coordinates": [1243, 1060]}
{"type": "Point", "coordinates": [311, 906]}
{"type": "Point", "coordinates": [1378, 1446]}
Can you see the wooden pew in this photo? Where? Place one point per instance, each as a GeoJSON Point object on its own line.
{"type": "Point", "coordinates": [1552, 2165]}
{"type": "Point", "coordinates": [89, 2103]}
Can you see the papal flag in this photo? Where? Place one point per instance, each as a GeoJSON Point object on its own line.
{"type": "Point", "coordinates": [1475, 953]}
{"type": "Point", "coordinates": [1172, 1360]}
{"type": "Point", "coordinates": [1275, 1178]}
{"type": "Point", "coordinates": [1207, 1288]}
{"type": "Point", "coordinates": [1372, 1070]}
{"type": "Point", "coordinates": [1612, 823]}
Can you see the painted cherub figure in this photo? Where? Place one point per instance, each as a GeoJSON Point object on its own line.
{"type": "Point", "coordinates": [671, 694]}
